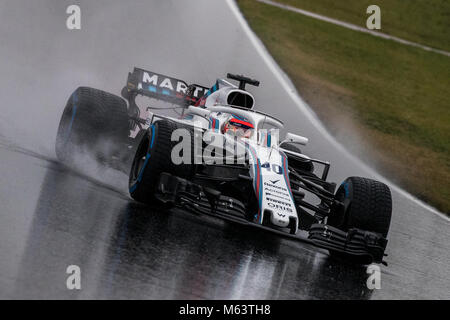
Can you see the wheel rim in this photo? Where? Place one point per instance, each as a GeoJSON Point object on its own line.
{"type": "Point", "coordinates": [340, 221]}
{"type": "Point", "coordinates": [139, 159]}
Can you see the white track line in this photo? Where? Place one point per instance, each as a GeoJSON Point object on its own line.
{"type": "Point", "coordinates": [305, 109]}
{"type": "Point", "coordinates": [354, 27]}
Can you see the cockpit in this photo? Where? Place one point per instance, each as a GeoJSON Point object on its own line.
{"type": "Point", "coordinates": [238, 127]}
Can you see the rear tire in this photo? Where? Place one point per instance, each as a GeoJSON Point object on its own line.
{"type": "Point", "coordinates": [93, 121]}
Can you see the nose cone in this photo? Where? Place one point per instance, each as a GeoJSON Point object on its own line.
{"type": "Point", "coordinates": [278, 218]}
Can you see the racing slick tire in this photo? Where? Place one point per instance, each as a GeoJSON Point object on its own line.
{"type": "Point", "coordinates": [95, 122]}
{"type": "Point", "coordinates": [367, 206]}
{"type": "Point", "coordinates": [296, 162]}
{"type": "Point", "coordinates": [153, 157]}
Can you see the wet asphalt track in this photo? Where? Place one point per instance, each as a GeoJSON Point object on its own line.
{"type": "Point", "coordinates": [51, 217]}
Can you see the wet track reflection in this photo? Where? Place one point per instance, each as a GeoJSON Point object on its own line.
{"type": "Point", "coordinates": [127, 250]}
{"type": "Point", "coordinates": [210, 260]}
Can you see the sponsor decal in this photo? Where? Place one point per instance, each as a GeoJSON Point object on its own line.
{"type": "Point", "coordinates": [269, 189]}
{"type": "Point", "coordinates": [276, 193]}
{"type": "Point", "coordinates": [279, 207]}
{"type": "Point", "coordinates": [280, 202]}
{"type": "Point", "coordinates": [277, 196]}
{"type": "Point", "coordinates": [274, 186]}
{"type": "Point", "coordinates": [157, 82]}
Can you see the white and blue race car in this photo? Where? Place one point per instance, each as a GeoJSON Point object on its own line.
{"type": "Point", "coordinates": [222, 157]}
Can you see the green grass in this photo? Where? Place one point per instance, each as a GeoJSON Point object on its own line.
{"type": "Point", "coordinates": [423, 21]}
{"type": "Point", "coordinates": [397, 96]}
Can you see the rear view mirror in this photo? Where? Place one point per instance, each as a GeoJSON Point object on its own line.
{"type": "Point", "coordinates": [125, 93]}
{"type": "Point", "coordinates": [294, 138]}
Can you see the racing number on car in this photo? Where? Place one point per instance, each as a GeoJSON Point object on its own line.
{"type": "Point", "coordinates": [275, 168]}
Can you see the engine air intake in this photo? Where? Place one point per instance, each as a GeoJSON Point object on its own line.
{"type": "Point", "coordinates": [240, 99]}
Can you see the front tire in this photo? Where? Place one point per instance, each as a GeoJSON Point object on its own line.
{"type": "Point", "coordinates": [367, 206]}
{"type": "Point", "coordinates": [153, 157]}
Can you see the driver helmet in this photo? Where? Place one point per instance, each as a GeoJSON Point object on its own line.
{"type": "Point", "coordinates": [239, 127]}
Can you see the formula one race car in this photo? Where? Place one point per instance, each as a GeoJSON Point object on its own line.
{"type": "Point", "coordinates": [222, 157]}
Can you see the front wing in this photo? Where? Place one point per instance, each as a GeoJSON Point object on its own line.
{"type": "Point", "coordinates": [357, 245]}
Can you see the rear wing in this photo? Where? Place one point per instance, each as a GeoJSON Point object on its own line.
{"type": "Point", "coordinates": [162, 87]}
